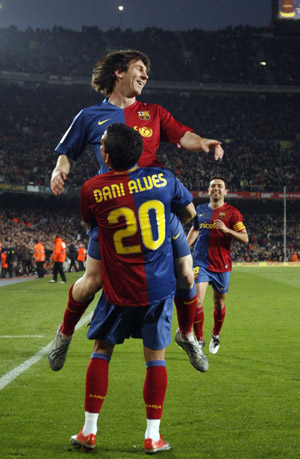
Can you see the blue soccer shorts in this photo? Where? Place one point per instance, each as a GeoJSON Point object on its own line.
{"type": "Point", "coordinates": [219, 281]}
{"type": "Point", "coordinates": [179, 242]}
{"type": "Point", "coordinates": [152, 324]}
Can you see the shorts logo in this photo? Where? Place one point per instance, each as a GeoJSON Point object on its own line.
{"type": "Point", "coordinates": [144, 131]}
{"type": "Point", "coordinates": [145, 116]}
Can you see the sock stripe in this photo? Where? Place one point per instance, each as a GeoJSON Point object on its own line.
{"type": "Point", "coordinates": [156, 363]}
{"type": "Point", "coordinates": [99, 355]}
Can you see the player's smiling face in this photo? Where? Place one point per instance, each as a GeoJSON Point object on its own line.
{"type": "Point", "coordinates": [132, 82]}
{"type": "Point", "coordinates": [217, 189]}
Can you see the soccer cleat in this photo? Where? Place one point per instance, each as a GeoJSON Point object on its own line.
{"type": "Point", "coordinates": [152, 447]}
{"type": "Point", "coordinates": [52, 281]}
{"type": "Point", "coordinates": [214, 344]}
{"type": "Point", "coordinates": [62, 282]}
{"type": "Point", "coordinates": [58, 351]}
{"type": "Point", "coordinates": [85, 442]}
{"type": "Point", "coordinates": [194, 351]}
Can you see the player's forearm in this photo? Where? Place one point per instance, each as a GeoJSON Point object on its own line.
{"type": "Point", "coordinates": [187, 213]}
{"type": "Point", "coordinates": [191, 141]}
{"type": "Point", "coordinates": [192, 236]}
{"type": "Point", "coordinates": [241, 236]}
{"type": "Point", "coordinates": [62, 165]}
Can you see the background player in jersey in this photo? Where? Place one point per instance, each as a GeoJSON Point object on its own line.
{"type": "Point", "coordinates": [214, 226]}
{"type": "Point", "coordinates": [121, 77]}
{"type": "Point", "coordinates": [132, 206]}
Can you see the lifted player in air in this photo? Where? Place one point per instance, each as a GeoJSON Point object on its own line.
{"type": "Point", "coordinates": [121, 77]}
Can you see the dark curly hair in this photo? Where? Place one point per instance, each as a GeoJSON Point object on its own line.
{"type": "Point", "coordinates": [104, 78]}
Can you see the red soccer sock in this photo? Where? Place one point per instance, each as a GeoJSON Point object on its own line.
{"type": "Point", "coordinates": [155, 387]}
{"type": "Point", "coordinates": [198, 323]}
{"type": "Point", "coordinates": [73, 312]}
{"type": "Point", "coordinates": [96, 383]}
{"type": "Point", "coordinates": [219, 316]}
{"type": "Point", "coordinates": [186, 310]}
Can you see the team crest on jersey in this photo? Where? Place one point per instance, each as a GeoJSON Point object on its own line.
{"type": "Point", "coordinates": [222, 214]}
{"type": "Point", "coordinates": [144, 131]}
{"type": "Point", "coordinates": [145, 116]}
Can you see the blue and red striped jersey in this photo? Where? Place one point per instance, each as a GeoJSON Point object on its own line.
{"type": "Point", "coordinates": [132, 210]}
{"type": "Point", "coordinates": [153, 122]}
{"type": "Point", "coordinates": [212, 248]}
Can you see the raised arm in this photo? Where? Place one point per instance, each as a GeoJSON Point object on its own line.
{"type": "Point", "coordinates": [193, 142]}
{"type": "Point", "coordinates": [60, 175]}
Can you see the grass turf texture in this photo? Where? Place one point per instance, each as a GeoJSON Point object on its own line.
{"type": "Point", "coordinates": [246, 406]}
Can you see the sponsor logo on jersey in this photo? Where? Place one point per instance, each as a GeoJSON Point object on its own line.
{"type": "Point", "coordinates": [206, 225]}
{"type": "Point", "coordinates": [144, 131]}
{"type": "Point", "coordinates": [102, 122]}
{"type": "Point", "coordinates": [145, 116]}
{"type": "Point", "coordinates": [200, 215]}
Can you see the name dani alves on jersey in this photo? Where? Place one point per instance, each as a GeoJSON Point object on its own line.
{"type": "Point", "coordinates": [132, 186]}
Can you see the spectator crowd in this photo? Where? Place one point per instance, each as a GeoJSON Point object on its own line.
{"type": "Point", "coordinates": [259, 128]}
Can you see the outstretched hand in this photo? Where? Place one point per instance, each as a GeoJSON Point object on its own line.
{"type": "Point", "coordinates": [57, 182]}
{"type": "Point", "coordinates": [209, 144]}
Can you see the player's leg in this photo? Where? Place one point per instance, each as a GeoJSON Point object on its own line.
{"type": "Point", "coordinates": [220, 288]}
{"type": "Point", "coordinates": [185, 296]}
{"type": "Point", "coordinates": [154, 391]}
{"type": "Point", "coordinates": [96, 386]}
{"type": "Point", "coordinates": [155, 326]}
{"type": "Point", "coordinates": [201, 288]}
{"type": "Point", "coordinates": [81, 294]}
{"type": "Point", "coordinates": [219, 316]}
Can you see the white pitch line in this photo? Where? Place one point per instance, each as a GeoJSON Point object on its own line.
{"type": "Point", "coordinates": [21, 336]}
{"type": "Point", "coordinates": [17, 371]}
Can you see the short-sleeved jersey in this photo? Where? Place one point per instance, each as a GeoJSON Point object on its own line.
{"type": "Point", "coordinates": [153, 122]}
{"type": "Point", "coordinates": [212, 248]}
{"type": "Point", "coordinates": [132, 210]}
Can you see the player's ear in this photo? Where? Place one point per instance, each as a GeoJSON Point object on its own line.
{"type": "Point", "coordinates": [118, 73]}
{"type": "Point", "coordinates": [226, 191]}
{"type": "Point", "coordinates": [107, 160]}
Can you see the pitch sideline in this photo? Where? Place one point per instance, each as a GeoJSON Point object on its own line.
{"type": "Point", "coordinates": [17, 371]}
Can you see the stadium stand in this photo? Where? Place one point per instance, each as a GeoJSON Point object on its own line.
{"type": "Point", "coordinates": [214, 82]}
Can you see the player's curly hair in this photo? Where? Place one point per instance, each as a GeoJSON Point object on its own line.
{"type": "Point", "coordinates": [124, 146]}
{"type": "Point", "coordinates": [104, 78]}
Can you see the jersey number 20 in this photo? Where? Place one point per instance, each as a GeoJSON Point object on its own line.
{"type": "Point", "coordinates": [131, 228]}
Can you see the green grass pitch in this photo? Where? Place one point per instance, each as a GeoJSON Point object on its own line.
{"type": "Point", "coordinates": [246, 406]}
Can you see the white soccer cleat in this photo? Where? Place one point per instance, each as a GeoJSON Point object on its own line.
{"type": "Point", "coordinates": [194, 351]}
{"type": "Point", "coordinates": [214, 344]}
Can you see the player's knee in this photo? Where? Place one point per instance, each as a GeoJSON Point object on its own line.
{"type": "Point", "coordinates": [199, 304]}
{"type": "Point", "coordinates": [219, 303]}
{"type": "Point", "coordinates": [93, 283]}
